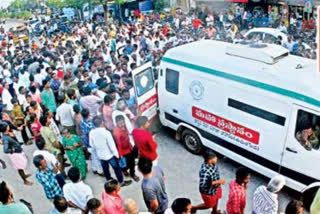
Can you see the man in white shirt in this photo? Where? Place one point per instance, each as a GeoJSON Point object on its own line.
{"type": "Point", "coordinates": [65, 114]}
{"type": "Point", "coordinates": [22, 97]}
{"type": "Point", "coordinates": [6, 97]}
{"type": "Point", "coordinates": [51, 160]}
{"type": "Point", "coordinates": [49, 157]}
{"type": "Point", "coordinates": [265, 198]}
{"type": "Point", "coordinates": [39, 77]}
{"type": "Point", "coordinates": [77, 193]}
{"type": "Point", "coordinates": [24, 77]}
{"type": "Point", "coordinates": [289, 44]}
{"type": "Point", "coordinates": [101, 140]}
{"type": "Point", "coordinates": [17, 83]}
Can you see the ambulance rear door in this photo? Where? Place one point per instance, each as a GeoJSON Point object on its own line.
{"type": "Point", "coordinates": [146, 92]}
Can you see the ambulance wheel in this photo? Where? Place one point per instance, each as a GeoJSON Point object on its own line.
{"type": "Point", "coordinates": [192, 142]}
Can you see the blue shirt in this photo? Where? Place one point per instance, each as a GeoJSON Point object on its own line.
{"type": "Point", "coordinates": [86, 126]}
{"type": "Point", "coordinates": [129, 49]}
{"type": "Point", "coordinates": [55, 84]}
{"type": "Point", "coordinates": [131, 101]}
{"type": "Point", "coordinates": [49, 182]}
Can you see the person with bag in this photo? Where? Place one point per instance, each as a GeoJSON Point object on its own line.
{"type": "Point", "coordinates": [102, 142]}
{"type": "Point", "coordinates": [73, 146]}
{"type": "Point", "coordinates": [16, 154]}
{"type": "Point", "coordinates": [125, 149]}
{"type": "Point", "coordinates": [9, 206]}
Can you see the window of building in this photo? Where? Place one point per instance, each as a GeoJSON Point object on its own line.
{"type": "Point", "coordinates": [172, 81]}
{"type": "Point", "coordinates": [257, 112]}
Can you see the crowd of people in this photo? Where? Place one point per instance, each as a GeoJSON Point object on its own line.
{"type": "Point", "coordinates": [71, 94]}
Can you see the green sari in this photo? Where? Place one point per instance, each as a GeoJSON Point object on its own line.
{"type": "Point", "coordinates": [76, 156]}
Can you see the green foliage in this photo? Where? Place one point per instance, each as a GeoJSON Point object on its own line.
{"type": "Point", "coordinates": [75, 3]}
{"type": "Point", "coordinates": [120, 2]}
{"type": "Point", "coordinates": [18, 4]}
{"type": "Point", "coordinates": [4, 14]}
{"type": "Point", "coordinates": [16, 15]}
{"type": "Point", "coordinates": [159, 5]}
{"type": "Point", "coordinates": [56, 3]}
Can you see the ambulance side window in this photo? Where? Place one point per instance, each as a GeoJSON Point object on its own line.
{"type": "Point", "coordinates": [307, 130]}
{"type": "Point", "coordinates": [172, 81]}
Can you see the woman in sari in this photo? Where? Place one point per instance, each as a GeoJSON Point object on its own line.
{"type": "Point", "coordinates": [73, 148]}
{"type": "Point", "coordinates": [35, 127]}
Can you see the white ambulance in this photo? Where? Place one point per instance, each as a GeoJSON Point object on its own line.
{"type": "Point", "coordinates": [253, 103]}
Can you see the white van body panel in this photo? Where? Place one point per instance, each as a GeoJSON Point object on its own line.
{"type": "Point", "coordinates": [212, 83]}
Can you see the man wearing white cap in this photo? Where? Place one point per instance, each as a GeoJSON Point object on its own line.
{"type": "Point", "coordinates": [265, 198]}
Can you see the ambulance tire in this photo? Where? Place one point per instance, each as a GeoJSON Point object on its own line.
{"type": "Point", "coordinates": [192, 142]}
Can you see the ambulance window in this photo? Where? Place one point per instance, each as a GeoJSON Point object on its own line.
{"type": "Point", "coordinates": [308, 130]}
{"type": "Point", "coordinates": [144, 82]}
{"type": "Point", "coordinates": [172, 81]}
{"type": "Point", "coordinates": [258, 112]}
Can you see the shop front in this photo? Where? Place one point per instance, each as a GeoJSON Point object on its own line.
{"type": "Point", "coordinates": [303, 9]}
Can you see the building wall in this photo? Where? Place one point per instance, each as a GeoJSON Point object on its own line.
{"type": "Point", "coordinates": [215, 5]}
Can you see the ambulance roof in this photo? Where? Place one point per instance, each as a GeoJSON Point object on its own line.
{"type": "Point", "coordinates": [268, 67]}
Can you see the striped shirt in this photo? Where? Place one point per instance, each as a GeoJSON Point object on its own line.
{"type": "Point", "coordinates": [264, 202]}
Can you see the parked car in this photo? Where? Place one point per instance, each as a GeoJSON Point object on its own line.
{"type": "Point", "coordinates": [269, 34]}
{"type": "Point", "coordinates": [266, 33]}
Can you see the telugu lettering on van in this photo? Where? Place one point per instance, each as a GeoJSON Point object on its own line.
{"type": "Point", "coordinates": [228, 126]}
{"type": "Point", "coordinates": [148, 103]}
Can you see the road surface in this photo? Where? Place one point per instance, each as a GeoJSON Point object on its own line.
{"type": "Point", "coordinates": [181, 169]}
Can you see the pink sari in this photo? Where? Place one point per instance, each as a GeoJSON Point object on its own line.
{"type": "Point", "coordinates": [36, 127]}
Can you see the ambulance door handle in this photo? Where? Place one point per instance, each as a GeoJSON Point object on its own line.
{"type": "Point", "coordinates": [291, 150]}
{"type": "Point", "coordinates": [175, 111]}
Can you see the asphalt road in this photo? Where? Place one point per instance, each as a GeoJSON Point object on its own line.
{"type": "Point", "coordinates": [12, 23]}
{"type": "Point", "coordinates": [181, 169]}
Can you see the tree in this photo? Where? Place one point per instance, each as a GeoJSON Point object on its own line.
{"type": "Point", "coordinates": [158, 5]}
{"type": "Point", "coordinates": [30, 4]}
{"type": "Point", "coordinates": [17, 4]}
{"type": "Point", "coordinates": [119, 3]}
{"type": "Point", "coordinates": [56, 3]}
{"type": "Point", "coordinates": [75, 3]}
{"type": "Point", "coordinates": [105, 8]}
